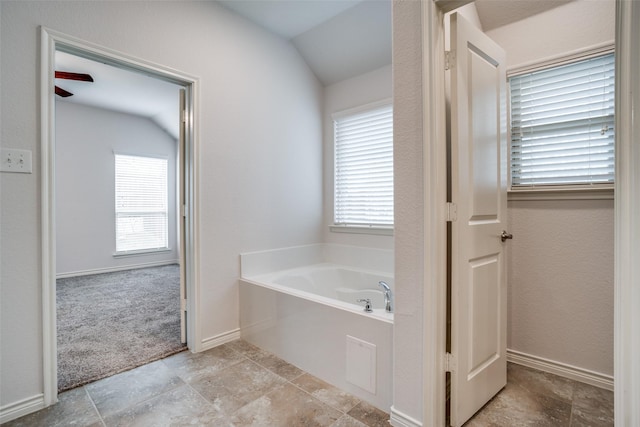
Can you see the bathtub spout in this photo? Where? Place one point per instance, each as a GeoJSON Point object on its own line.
{"type": "Point", "coordinates": [387, 296]}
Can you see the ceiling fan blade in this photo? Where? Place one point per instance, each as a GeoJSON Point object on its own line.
{"type": "Point", "coordinates": [63, 93]}
{"type": "Point", "coordinates": [73, 76]}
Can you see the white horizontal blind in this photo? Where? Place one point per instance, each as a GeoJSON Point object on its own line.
{"type": "Point", "coordinates": [141, 203]}
{"type": "Point", "coordinates": [562, 124]}
{"type": "Point", "coordinates": [364, 168]}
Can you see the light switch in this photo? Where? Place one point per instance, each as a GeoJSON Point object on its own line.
{"type": "Point", "coordinates": [14, 160]}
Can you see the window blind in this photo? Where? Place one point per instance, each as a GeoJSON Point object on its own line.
{"type": "Point", "coordinates": [562, 124]}
{"type": "Point", "coordinates": [141, 203]}
{"type": "Point", "coordinates": [364, 168]}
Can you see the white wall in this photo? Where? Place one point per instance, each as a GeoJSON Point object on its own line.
{"type": "Point", "coordinates": [561, 259]}
{"type": "Point", "coordinates": [575, 25]}
{"type": "Point", "coordinates": [354, 92]}
{"type": "Point", "coordinates": [560, 272]}
{"type": "Point", "coordinates": [86, 139]}
{"type": "Point", "coordinates": [408, 332]}
{"type": "Point", "coordinates": [259, 140]}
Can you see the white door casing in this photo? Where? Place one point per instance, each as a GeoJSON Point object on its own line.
{"type": "Point", "coordinates": [479, 192]}
{"type": "Point", "coordinates": [182, 203]}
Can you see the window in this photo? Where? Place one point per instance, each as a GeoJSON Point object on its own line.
{"type": "Point", "coordinates": [562, 124]}
{"type": "Point", "coordinates": [364, 167]}
{"type": "Point", "coordinates": [141, 204]}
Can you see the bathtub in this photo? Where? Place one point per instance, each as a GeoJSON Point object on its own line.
{"type": "Point", "coordinates": [309, 316]}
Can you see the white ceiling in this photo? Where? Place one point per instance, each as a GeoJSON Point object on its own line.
{"type": "Point", "coordinates": [338, 39]}
{"type": "Point", "coordinates": [121, 90]}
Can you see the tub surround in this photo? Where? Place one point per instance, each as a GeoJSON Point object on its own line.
{"type": "Point", "coordinates": [331, 339]}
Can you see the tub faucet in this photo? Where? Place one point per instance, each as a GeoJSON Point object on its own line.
{"type": "Point", "coordinates": [387, 296]}
{"type": "Point", "coordinates": [367, 304]}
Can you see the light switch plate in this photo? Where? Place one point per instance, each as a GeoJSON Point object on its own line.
{"type": "Point", "coordinates": [14, 160]}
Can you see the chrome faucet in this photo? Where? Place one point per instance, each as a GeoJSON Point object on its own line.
{"type": "Point", "coordinates": [387, 295]}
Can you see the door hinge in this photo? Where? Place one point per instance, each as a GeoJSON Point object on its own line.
{"type": "Point", "coordinates": [449, 363]}
{"type": "Point", "coordinates": [183, 305]}
{"type": "Point", "coordinates": [449, 59]}
{"type": "Point", "coordinates": [183, 116]}
{"type": "Point", "coordinates": [183, 210]}
{"type": "Point", "coordinates": [452, 212]}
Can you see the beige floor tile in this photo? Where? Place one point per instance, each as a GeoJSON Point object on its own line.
{"type": "Point", "coordinates": [369, 415]}
{"type": "Point", "coordinates": [120, 391]}
{"type": "Point", "coordinates": [237, 385]}
{"type": "Point", "coordinates": [74, 408]}
{"type": "Point", "coordinates": [286, 406]}
{"type": "Point", "coordinates": [191, 366]}
{"type": "Point", "coordinates": [179, 407]}
{"type": "Point", "coordinates": [324, 392]}
{"type": "Point", "coordinates": [347, 421]}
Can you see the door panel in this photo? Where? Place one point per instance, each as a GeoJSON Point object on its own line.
{"type": "Point", "coordinates": [478, 188]}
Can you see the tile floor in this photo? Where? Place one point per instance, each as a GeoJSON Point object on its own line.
{"type": "Point", "coordinates": [233, 385]}
{"type": "Point", "coordinates": [535, 398]}
{"type": "Point", "coordinates": [237, 385]}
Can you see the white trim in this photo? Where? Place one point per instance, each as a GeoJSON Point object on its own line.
{"type": "Point", "coordinates": [51, 41]}
{"type": "Point", "coordinates": [564, 58]}
{"type": "Point", "coordinates": [21, 408]}
{"type": "Point", "coordinates": [48, 220]}
{"type": "Point", "coordinates": [561, 369]}
{"type": "Point", "coordinates": [140, 252]}
{"type": "Point", "coordinates": [398, 419]}
{"type": "Point", "coordinates": [589, 193]}
{"type": "Point", "coordinates": [361, 108]}
{"type": "Point", "coordinates": [627, 214]}
{"type": "Point", "coordinates": [115, 269]}
{"type": "Point", "coordinates": [362, 229]}
{"type": "Point", "coordinates": [223, 338]}
{"type": "Point", "coordinates": [434, 199]}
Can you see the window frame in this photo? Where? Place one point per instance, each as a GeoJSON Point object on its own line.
{"type": "Point", "coordinates": [375, 229]}
{"type": "Point", "coordinates": [145, 251]}
{"type": "Point", "coordinates": [578, 191]}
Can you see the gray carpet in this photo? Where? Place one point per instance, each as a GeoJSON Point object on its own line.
{"type": "Point", "coordinates": [112, 322]}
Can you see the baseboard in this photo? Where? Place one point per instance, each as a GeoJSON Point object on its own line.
{"type": "Point", "coordinates": [114, 269]}
{"type": "Point", "coordinates": [561, 369]}
{"type": "Point", "coordinates": [21, 408]}
{"type": "Point", "coordinates": [398, 419]}
{"type": "Point", "coordinates": [211, 342]}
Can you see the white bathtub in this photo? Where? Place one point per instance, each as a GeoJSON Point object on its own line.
{"type": "Point", "coordinates": [309, 316]}
{"type": "Point", "coordinates": [332, 284]}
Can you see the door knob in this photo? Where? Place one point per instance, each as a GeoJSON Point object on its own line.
{"type": "Point", "coordinates": [504, 236]}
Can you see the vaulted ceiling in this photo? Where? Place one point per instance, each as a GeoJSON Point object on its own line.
{"type": "Point", "coordinates": [338, 40]}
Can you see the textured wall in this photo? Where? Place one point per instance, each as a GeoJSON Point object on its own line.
{"type": "Point", "coordinates": [575, 25]}
{"type": "Point", "coordinates": [561, 259]}
{"type": "Point", "coordinates": [260, 151]}
{"type": "Point", "coordinates": [409, 209]}
{"type": "Point", "coordinates": [560, 269]}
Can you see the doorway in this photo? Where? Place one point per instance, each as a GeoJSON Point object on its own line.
{"type": "Point", "coordinates": [181, 172]}
{"type": "Point", "coordinates": [117, 270]}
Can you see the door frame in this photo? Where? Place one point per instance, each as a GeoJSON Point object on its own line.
{"type": "Point", "coordinates": [51, 41]}
{"type": "Point", "coordinates": [627, 206]}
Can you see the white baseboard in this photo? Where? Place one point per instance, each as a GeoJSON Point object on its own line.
{"type": "Point", "coordinates": [211, 342]}
{"type": "Point", "coordinates": [398, 419]}
{"type": "Point", "coordinates": [114, 269]}
{"type": "Point", "coordinates": [21, 408]}
{"type": "Point", "coordinates": [561, 369]}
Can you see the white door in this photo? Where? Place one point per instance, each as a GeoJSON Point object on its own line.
{"type": "Point", "coordinates": [478, 192]}
{"type": "Point", "coordinates": [182, 202]}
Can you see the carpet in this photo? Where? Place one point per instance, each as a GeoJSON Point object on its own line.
{"type": "Point", "coordinates": [112, 322]}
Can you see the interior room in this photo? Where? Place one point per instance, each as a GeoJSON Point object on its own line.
{"type": "Point", "coordinates": [117, 299]}
{"type": "Point", "coordinates": [268, 81]}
